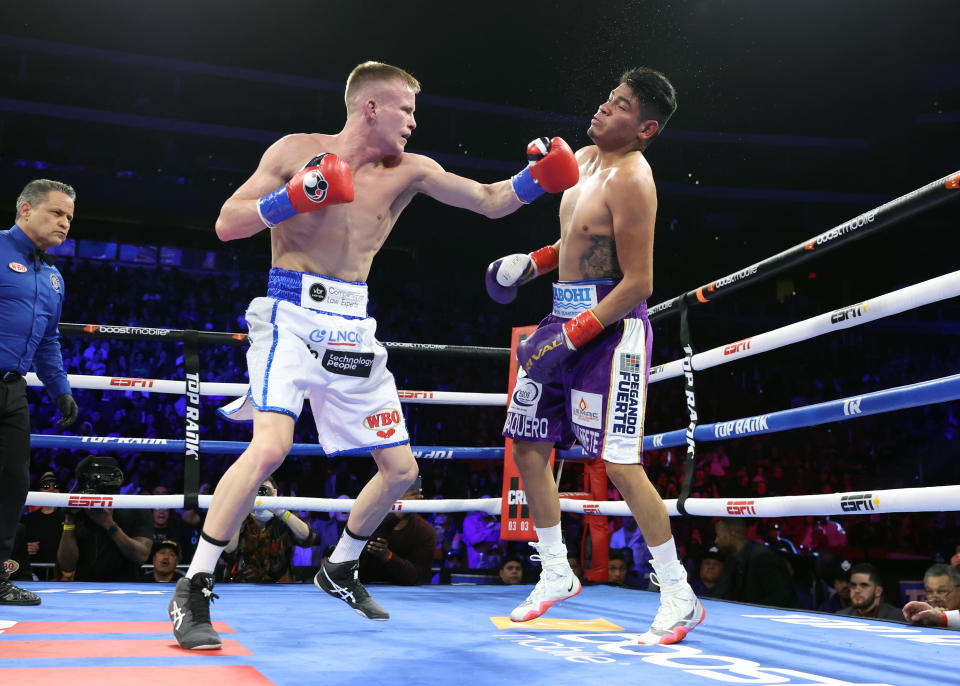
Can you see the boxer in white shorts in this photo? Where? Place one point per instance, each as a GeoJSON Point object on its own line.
{"type": "Point", "coordinates": [324, 350]}
{"type": "Point", "coordinates": [330, 217]}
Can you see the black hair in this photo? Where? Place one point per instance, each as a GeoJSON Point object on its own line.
{"type": "Point", "coordinates": [654, 92]}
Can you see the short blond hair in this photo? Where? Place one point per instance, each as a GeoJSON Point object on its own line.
{"type": "Point", "coordinates": [368, 72]}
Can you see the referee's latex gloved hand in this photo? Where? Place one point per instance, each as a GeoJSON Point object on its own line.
{"type": "Point", "coordinates": [68, 410]}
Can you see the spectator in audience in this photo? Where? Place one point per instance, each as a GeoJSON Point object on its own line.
{"type": "Point", "coordinates": [166, 557]}
{"type": "Point", "coordinates": [511, 570]}
{"type": "Point", "coordinates": [941, 582]}
{"type": "Point", "coordinates": [103, 544]}
{"type": "Point", "coordinates": [618, 572]}
{"type": "Point", "coordinates": [711, 571]}
{"type": "Point", "coordinates": [43, 527]}
{"type": "Point", "coordinates": [400, 550]}
{"type": "Point", "coordinates": [942, 585]}
{"type": "Point", "coordinates": [629, 536]}
{"type": "Point", "coordinates": [866, 595]}
{"type": "Point", "coordinates": [449, 550]}
{"type": "Point", "coordinates": [167, 525]}
{"type": "Point", "coordinates": [753, 573]}
{"type": "Point", "coordinates": [262, 549]}
{"type": "Point", "coordinates": [839, 595]}
{"type": "Point", "coordinates": [481, 534]}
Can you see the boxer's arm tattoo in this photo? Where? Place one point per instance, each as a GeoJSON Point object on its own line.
{"type": "Point", "coordinates": [599, 260]}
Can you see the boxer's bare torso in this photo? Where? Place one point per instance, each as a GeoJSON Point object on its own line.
{"type": "Point", "coordinates": [342, 240]}
{"type": "Point", "coordinates": [588, 247]}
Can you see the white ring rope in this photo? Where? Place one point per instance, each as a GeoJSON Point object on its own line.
{"type": "Point", "coordinates": [926, 292]}
{"type": "Point", "coordinates": [929, 499]}
{"type": "Point", "coordinates": [122, 383]}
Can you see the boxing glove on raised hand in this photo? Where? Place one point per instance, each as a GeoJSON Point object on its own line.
{"type": "Point", "coordinates": [552, 168]}
{"type": "Point", "coordinates": [541, 353]}
{"type": "Point", "coordinates": [325, 180]}
{"type": "Point", "coordinates": [506, 275]}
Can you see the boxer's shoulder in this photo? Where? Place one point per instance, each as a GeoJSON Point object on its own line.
{"type": "Point", "coordinates": [587, 153]}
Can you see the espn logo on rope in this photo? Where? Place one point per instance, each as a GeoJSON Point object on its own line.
{"type": "Point", "coordinates": [124, 382]}
{"type": "Point", "coordinates": [737, 347]}
{"type": "Point", "coordinates": [416, 395]}
{"type": "Point", "coordinates": [90, 501]}
{"type": "Point", "coordinates": [741, 507]}
{"type": "Point", "coordinates": [517, 500]}
{"type": "Point", "coordinates": [859, 502]}
{"type": "Point", "coordinates": [348, 363]}
{"type": "Point", "coordinates": [843, 315]}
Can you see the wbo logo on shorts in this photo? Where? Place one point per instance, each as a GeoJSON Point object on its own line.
{"type": "Point", "coordinates": [381, 421]}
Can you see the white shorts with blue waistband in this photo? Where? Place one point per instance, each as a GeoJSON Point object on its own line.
{"type": "Point", "coordinates": [311, 338]}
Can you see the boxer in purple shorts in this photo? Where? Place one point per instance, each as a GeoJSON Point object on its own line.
{"type": "Point", "coordinates": [597, 399]}
{"type": "Point", "coordinates": [584, 371]}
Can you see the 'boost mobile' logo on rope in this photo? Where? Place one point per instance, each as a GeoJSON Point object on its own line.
{"type": "Point", "coordinates": [138, 330]}
{"type": "Point", "coordinates": [859, 501]}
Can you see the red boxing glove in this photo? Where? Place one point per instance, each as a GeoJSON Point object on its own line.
{"type": "Point", "coordinates": [324, 180]}
{"type": "Point", "coordinates": [553, 169]}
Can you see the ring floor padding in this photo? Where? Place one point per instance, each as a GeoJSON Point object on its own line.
{"type": "Point", "coordinates": [116, 634]}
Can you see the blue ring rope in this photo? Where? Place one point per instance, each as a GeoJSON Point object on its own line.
{"type": "Point", "coordinates": [939, 390]}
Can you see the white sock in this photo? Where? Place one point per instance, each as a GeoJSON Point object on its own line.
{"type": "Point", "coordinates": [348, 548]}
{"type": "Point", "coordinates": [550, 535]}
{"type": "Point", "coordinates": [205, 558]}
{"type": "Point", "coordinates": [665, 553]}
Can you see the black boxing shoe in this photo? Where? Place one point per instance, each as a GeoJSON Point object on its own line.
{"type": "Point", "coordinates": [14, 595]}
{"type": "Point", "coordinates": [189, 610]}
{"type": "Point", "coordinates": [339, 579]}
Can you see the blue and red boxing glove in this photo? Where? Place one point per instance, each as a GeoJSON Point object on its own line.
{"type": "Point", "coordinates": [552, 168]}
{"type": "Point", "coordinates": [541, 353]}
{"type": "Point", "coordinates": [325, 180]}
{"type": "Point", "coordinates": [506, 275]}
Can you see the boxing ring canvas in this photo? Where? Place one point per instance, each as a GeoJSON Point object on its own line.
{"type": "Point", "coordinates": [117, 634]}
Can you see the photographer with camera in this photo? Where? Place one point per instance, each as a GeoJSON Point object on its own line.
{"type": "Point", "coordinates": [103, 544]}
{"type": "Point", "coordinates": [262, 550]}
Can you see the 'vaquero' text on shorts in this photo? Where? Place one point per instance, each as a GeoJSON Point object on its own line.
{"type": "Point", "coordinates": [311, 338]}
{"type": "Point", "coordinates": [600, 394]}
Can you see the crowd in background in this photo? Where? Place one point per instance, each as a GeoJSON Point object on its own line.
{"type": "Point", "coordinates": [907, 448]}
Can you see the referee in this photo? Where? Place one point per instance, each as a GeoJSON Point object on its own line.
{"type": "Point", "coordinates": [31, 299]}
